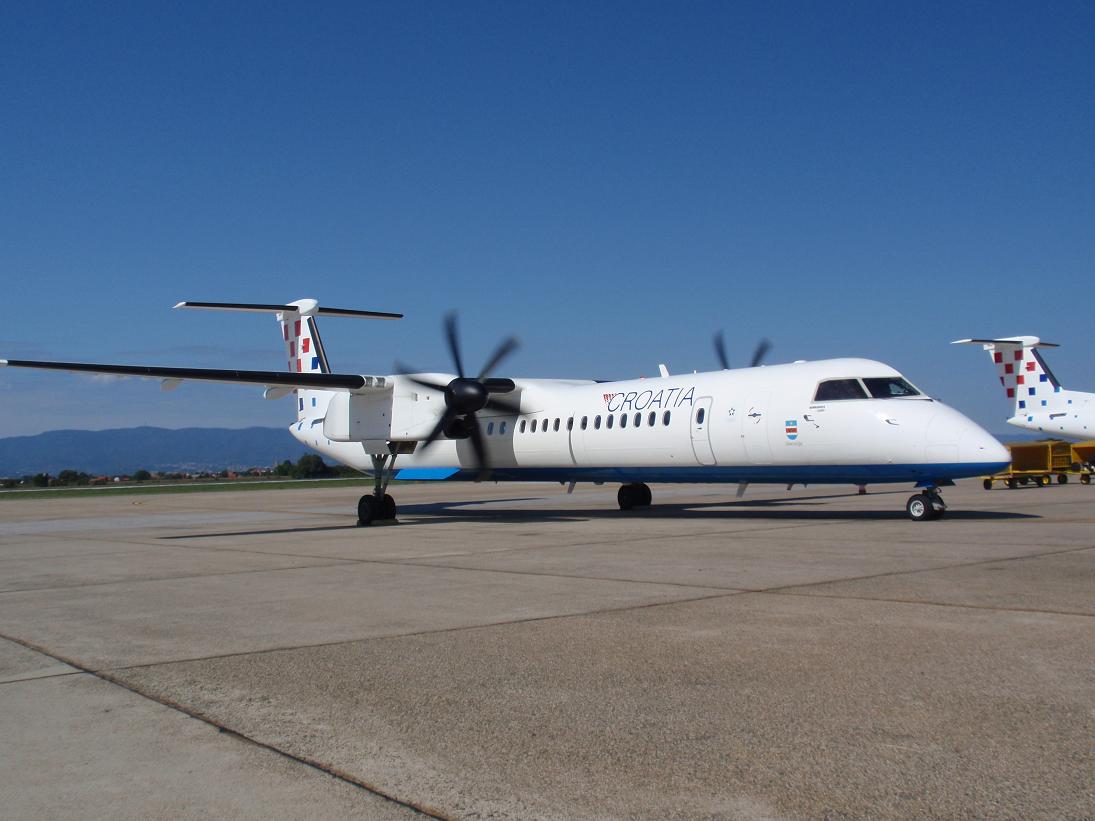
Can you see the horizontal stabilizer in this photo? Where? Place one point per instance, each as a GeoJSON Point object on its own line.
{"type": "Point", "coordinates": [1025, 341]}
{"type": "Point", "coordinates": [353, 383]}
{"type": "Point", "coordinates": [305, 307]}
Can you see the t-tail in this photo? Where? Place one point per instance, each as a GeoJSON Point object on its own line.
{"type": "Point", "coordinates": [1038, 401]}
{"type": "Point", "coordinates": [304, 349]}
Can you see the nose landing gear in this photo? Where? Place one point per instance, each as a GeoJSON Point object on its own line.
{"type": "Point", "coordinates": [926, 506]}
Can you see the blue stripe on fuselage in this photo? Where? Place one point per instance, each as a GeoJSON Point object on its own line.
{"type": "Point", "coordinates": [755, 474]}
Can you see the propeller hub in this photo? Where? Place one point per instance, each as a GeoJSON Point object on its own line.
{"type": "Point", "coordinates": [466, 395]}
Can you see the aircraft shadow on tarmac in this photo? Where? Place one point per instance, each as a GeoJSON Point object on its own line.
{"type": "Point", "coordinates": [480, 512]}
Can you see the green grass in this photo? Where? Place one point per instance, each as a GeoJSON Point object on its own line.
{"type": "Point", "coordinates": [183, 487]}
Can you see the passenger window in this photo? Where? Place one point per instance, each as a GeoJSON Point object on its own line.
{"type": "Point", "coordinates": [533, 426]}
{"type": "Point", "coordinates": [570, 423]}
{"type": "Point", "coordinates": [665, 418]}
{"type": "Point", "coordinates": [597, 422]}
{"type": "Point", "coordinates": [638, 419]}
{"type": "Point", "coordinates": [585, 419]}
{"type": "Point", "coordinates": [502, 429]}
{"type": "Point", "coordinates": [699, 416]}
{"type": "Point", "coordinates": [836, 389]}
{"type": "Point", "coordinates": [650, 420]}
{"type": "Point", "coordinates": [522, 426]}
{"type": "Point", "coordinates": [490, 428]}
{"type": "Point", "coordinates": [623, 420]}
{"type": "Point", "coordinates": [609, 421]}
{"type": "Point", "coordinates": [556, 425]}
{"type": "Point", "coordinates": [888, 387]}
{"type": "Point", "coordinates": [545, 426]}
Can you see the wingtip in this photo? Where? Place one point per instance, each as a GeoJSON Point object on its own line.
{"type": "Point", "coordinates": [3, 362]}
{"type": "Point", "coordinates": [179, 305]}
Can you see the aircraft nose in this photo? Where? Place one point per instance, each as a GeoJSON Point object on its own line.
{"type": "Point", "coordinates": [978, 446]}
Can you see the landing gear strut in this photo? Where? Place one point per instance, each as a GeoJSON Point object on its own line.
{"type": "Point", "coordinates": [926, 506]}
{"type": "Point", "coordinates": [378, 506]}
{"type": "Point", "coordinates": [634, 494]}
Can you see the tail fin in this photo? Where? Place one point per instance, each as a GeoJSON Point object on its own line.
{"type": "Point", "coordinates": [303, 346]}
{"type": "Point", "coordinates": [1026, 378]}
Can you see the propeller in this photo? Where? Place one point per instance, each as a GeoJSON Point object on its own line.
{"type": "Point", "coordinates": [758, 353]}
{"type": "Point", "coordinates": [466, 395]}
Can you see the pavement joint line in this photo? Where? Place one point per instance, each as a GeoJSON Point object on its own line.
{"type": "Point", "coordinates": [64, 556]}
{"type": "Point", "coordinates": [961, 605]}
{"type": "Point", "coordinates": [604, 611]}
{"type": "Point", "coordinates": [312, 763]}
{"type": "Point", "coordinates": [871, 576]}
{"type": "Point", "coordinates": [25, 679]}
{"type": "Point", "coordinates": [327, 563]}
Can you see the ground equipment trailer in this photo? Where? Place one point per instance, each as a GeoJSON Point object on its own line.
{"type": "Point", "coordinates": [1039, 462]}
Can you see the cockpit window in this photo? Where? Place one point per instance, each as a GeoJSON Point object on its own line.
{"type": "Point", "coordinates": [887, 387]}
{"type": "Point", "coordinates": [834, 389]}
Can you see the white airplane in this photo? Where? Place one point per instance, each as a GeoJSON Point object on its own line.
{"type": "Point", "coordinates": [835, 421]}
{"type": "Point", "coordinates": [1038, 400]}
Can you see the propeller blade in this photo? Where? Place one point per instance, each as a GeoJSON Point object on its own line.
{"type": "Point", "coordinates": [437, 386]}
{"type": "Point", "coordinates": [720, 351]}
{"type": "Point", "coordinates": [479, 447]}
{"type": "Point", "coordinates": [439, 428]}
{"type": "Point", "coordinates": [762, 350]}
{"type": "Point", "coordinates": [454, 342]}
{"type": "Point", "coordinates": [507, 347]}
{"type": "Point", "coordinates": [503, 405]}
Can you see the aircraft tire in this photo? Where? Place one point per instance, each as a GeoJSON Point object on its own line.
{"type": "Point", "coordinates": [645, 496]}
{"type": "Point", "coordinates": [920, 508]}
{"type": "Point", "coordinates": [387, 507]}
{"type": "Point", "coordinates": [367, 510]}
{"type": "Point", "coordinates": [626, 497]}
{"type": "Point", "coordinates": [987, 484]}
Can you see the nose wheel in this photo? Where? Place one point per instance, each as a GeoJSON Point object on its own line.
{"type": "Point", "coordinates": [926, 506]}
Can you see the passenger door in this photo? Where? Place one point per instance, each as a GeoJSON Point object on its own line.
{"type": "Point", "coordinates": [701, 436]}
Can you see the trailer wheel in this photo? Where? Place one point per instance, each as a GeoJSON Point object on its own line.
{"type": "Point", "coordinates": [1085, 479]}
{"type": "Point", "coordinates": [1062, 478]}
{"type": "Point", "coordinates": [1043, 481]}
{"type": "Point", "coordinates": [987, 484]}
{"type": "Point", "coordinates": [1012, 483]}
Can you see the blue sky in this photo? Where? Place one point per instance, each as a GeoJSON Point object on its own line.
{"type": "Point", "coordinates": [611, 182]}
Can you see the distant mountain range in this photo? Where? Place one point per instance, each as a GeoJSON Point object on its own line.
{"type": "Point", "coordinates": [125, 450]}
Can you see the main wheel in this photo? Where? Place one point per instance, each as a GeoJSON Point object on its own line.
{"type": "Point", "coordinates": [387, 507]}
{"type": "Point", "coordinates": [645, 496]}
{"type": "Point", "coordinates": [368, 510]}
{"type": "Point", "coordinates": [987, 484]}
{"type": "Point", "coordinates": [627, 497]}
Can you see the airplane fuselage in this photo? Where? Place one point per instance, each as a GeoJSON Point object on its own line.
{"type": "Point", "coordinates": [750, 425]}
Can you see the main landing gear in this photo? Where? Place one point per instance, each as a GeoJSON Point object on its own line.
{"type": "Point", "coordinates": [633, 494]}
{"type": "Point", "coordinates": [378, 506]}
{"type": "Point", "coordinates": [926, 506]}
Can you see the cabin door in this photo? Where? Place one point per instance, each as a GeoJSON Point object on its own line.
{"type": "Point", "coordinates": [701, 433]}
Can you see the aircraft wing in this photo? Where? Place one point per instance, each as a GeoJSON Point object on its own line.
{"type": "Point", "coordinates": [351, 383]}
